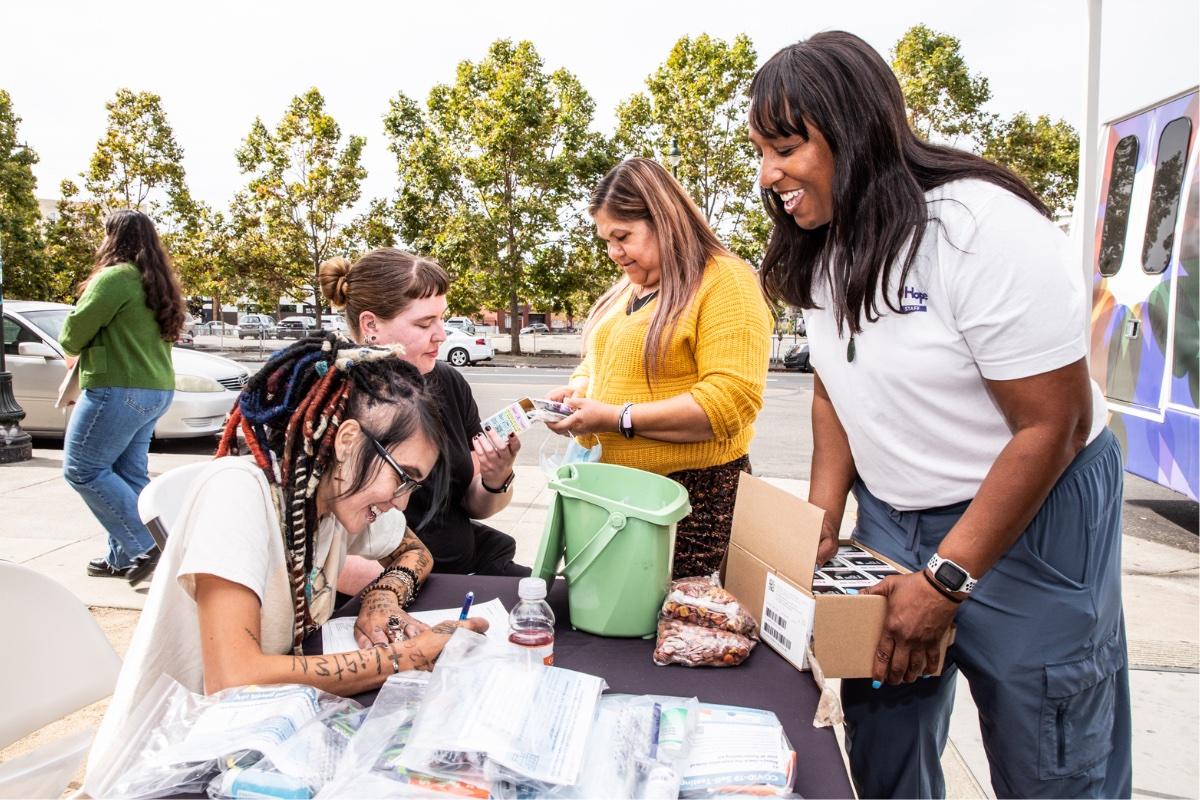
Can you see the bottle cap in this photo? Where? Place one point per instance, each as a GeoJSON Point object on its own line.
{"type": "Point", "coordinates": [531, 589]}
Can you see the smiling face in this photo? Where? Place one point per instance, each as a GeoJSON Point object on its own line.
{"type": "Point", "coordinates": [632, 245]}
{"type": "Point", "coordinates": [418, 327]}
{"type": "Point", "coordinates": [416, 456]}
{"type": "Point", "coordinates": [800, 171]}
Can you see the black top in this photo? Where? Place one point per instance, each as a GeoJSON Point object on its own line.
{"type": "Point", "coordinates": [448, 533]}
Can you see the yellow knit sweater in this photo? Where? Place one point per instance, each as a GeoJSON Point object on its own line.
{"type": "Point", "coordinates": [718, 353]}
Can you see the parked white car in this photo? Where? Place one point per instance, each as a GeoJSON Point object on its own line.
{"type": "Point", "coordinates": [206, 385]}
{"type": "Point", "coordinates": [461, 349]}
{"type": "Point", "coordinates": [334, 322]}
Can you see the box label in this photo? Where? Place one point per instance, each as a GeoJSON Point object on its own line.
{"type": "Point", "coordinates": [787, 620]}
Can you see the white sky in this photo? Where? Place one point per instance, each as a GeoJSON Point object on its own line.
{"type": "Point", "coordinates": [218, 64]}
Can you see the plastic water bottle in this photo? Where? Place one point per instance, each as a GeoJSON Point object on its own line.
{"type": "Point", "coordinates": [531, 622]}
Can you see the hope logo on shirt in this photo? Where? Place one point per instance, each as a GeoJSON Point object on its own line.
{"type": "Point", "coordinates": [913, 299]}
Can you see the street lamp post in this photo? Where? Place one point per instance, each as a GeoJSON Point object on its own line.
{"type": "Point", "coordinates": [674, 157]}
{"type": "Point", "coordinates": [15, 444]}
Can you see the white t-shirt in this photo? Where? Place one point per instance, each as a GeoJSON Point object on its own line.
{"type": "Point", "coordinates": [228, 527]}
{"type": "Point", "coordinates": [992, 294]}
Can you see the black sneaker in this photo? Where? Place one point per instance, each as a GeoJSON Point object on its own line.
{"type": "Point", "coordinates": [100, 568]}
{"type": "Point", "coordinates": [143, 566]}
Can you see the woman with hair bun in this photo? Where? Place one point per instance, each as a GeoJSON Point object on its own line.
{"type": "Point", "coordinates": [392, 297]}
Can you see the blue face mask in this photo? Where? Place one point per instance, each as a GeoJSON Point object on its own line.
{"type": "Point", "coordinates": [558, 451]}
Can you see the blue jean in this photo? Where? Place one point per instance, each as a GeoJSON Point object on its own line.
{"type": "Point", "coordinates": [1041, 643]}
{"type": "Point", "coordinates": [105, 460]}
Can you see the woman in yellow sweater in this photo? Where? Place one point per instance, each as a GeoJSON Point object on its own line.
{"type": "Point", "coordinates": [675, 354]}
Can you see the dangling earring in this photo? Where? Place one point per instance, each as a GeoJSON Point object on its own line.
{"type": "Point", "coordinates": [337, 477]}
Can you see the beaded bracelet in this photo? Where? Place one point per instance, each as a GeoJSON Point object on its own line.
{"type": "Point", "coordinates": [405, 574]}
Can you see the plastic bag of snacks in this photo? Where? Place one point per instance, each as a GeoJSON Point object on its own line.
{"type": "Point", "coordinates": [697, 646]}
{"type": "Point", "coordinates": [703, 601]}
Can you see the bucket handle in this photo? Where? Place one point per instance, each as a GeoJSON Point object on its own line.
{"type": "Point", "coordinates": [578, 565]}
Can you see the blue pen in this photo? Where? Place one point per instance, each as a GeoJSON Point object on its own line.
{"type": "Point", "coordinates": [466, 609]}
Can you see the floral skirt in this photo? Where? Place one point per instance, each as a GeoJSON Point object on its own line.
{"type": "Point", "coordinates": [702, 537]}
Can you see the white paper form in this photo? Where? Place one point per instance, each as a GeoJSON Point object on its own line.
{"type": "Point", "coordinates": [737, 746]}
{"type": "Point", "coordinates": [337, 635]}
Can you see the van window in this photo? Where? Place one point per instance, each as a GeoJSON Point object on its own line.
{"type": "Point", "coordinates": [1164, 195]}
{"type": "Point", "coordinates": [1116, 205]}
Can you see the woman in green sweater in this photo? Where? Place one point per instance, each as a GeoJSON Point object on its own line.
{"type": "Point", "coordinates": [130, 311]}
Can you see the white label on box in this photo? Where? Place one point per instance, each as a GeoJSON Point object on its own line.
{"type": "Point", "coordinates": [787, 620]}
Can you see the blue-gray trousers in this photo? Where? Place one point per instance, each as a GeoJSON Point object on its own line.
{"type": "Point", "coordinates": [1041, 642]}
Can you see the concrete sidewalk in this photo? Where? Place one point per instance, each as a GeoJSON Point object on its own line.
{"type": "Point", "coordinates": [48, 528]}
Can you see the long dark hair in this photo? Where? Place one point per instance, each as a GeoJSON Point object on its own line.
{"type": "Point", "coordinates": [289, 413]}
{"type": "Point", "coordinates": [837, 83]}
{"type": "Point", "coordinates": [640, 189]}
{"type": "Point", "coordinates": [130, 238]}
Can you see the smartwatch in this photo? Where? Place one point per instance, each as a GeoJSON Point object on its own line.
{"type": "Point", "coordinates": [503, 487]}
{"type": "Point", "coordinates": [951, 575]}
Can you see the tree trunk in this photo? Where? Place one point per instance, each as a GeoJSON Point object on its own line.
{"type": "Point", "coordinates": [514, 330]}
{"type": "Point", "coordinates": [316, 289]}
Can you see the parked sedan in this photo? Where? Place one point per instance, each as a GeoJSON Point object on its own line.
{"type": "Point", "coordinates": [537, 327]}
{"type": "Point", "coordinates": [296, 327]}
{"type": "Point", "coordinates": [206, 385]}
{"type": "Point", "coordinates": [461, 349]}
{"type": "Point", "coordinates": [256, 326]}
{"type": "Point", "coordinates": [797, 358]}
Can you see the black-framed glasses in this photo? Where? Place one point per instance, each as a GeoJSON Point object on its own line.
{"type": "Point", "coordinates": [408, 484]}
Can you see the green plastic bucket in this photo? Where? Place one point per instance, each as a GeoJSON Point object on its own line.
{"type": "Point", "coordinates": [614, 527]}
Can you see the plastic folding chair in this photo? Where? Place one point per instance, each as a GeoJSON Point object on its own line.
{"type": "Point", "coordinates": [162, 499]}
{"type": "Point", "coordinates": [39, 685]}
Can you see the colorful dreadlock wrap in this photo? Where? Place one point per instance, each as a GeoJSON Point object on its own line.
{"type": "Point", "coordinates": [288, 414]}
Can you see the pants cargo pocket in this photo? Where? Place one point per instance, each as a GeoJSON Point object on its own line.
{"type": "Point", "coordinates": [1077, 711]}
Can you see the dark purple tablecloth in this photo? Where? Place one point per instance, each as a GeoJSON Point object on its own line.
{"type": "Point", "coordinates": [764, 681]}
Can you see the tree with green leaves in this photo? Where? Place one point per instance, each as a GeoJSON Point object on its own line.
{"type": "Point", "coordinates": [944, 99]}
{"type": "Point", "coordinates": [303, 183]}
{"type": "Point", "coordinates": [72, 237]}
{"type": "Point", "coordinates": [698, 99]}
{"type": "Point", "coordinates": [1044, 153]}
{"type": "Point", "coordinates": [493, 172]}
{"type": "Point", "coordinates": [24, 270]}
{"type": "Point", "coordinates": [138, 163]}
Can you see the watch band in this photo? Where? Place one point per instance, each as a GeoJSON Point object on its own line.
{"type": "Point", "coordinates": [503, 487]}
{"type": "Point", "coordinates": [625, 421]}
{"type": "Point", "coordinates": [968, 582]}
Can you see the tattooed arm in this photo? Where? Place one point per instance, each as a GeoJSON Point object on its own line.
{"type": "Point", "coordinates": [385, 603]}
{"type": "Point", "coordinates": [230, 616]}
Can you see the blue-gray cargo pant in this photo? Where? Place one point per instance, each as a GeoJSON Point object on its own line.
{"type": "Point", "coordinates": [1041, 642]}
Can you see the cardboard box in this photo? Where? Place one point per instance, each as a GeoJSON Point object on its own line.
{"type": "Point", "coordinates": [769, 568]}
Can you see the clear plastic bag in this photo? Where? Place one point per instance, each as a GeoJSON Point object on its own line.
{"type": "Point", "coordinates": [491, 716]}
{"type": "Point", "coordinates": [302, 763]}
{"type": "Point", "coordinates": [696, 646]}
{"type": "Point", "coordinates": [181, 740]}
{"type": "Point", "coordinates": [738, 751]}
{"type": "Point", "coordinates": [703, 601]}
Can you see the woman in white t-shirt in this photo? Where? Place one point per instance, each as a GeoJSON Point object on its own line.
{"type": "Point", "coordinates": [340, 435]}
{"type": "Point", "coordinates": [952, 396]}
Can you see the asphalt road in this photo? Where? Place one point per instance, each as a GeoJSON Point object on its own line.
{"type": "Point", "coordinates": [781, 448]}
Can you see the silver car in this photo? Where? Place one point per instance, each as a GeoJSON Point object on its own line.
{"type": "Point", "coordinates": [206, 385]}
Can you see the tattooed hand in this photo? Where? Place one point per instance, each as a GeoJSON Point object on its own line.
{"type": "Point", "coordinates": [422, 651]}
{"type": "Point", "coordinates": [372, 626]}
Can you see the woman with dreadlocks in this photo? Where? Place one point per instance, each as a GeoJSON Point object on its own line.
{"type": "Point", "coordinates": [340, 435]}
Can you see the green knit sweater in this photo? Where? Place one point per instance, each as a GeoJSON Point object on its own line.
{"type": "Point", "coordinates": [115, 335]}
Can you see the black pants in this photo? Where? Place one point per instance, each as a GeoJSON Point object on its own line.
{"type": "Point", "coordinates": [494, 551]}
